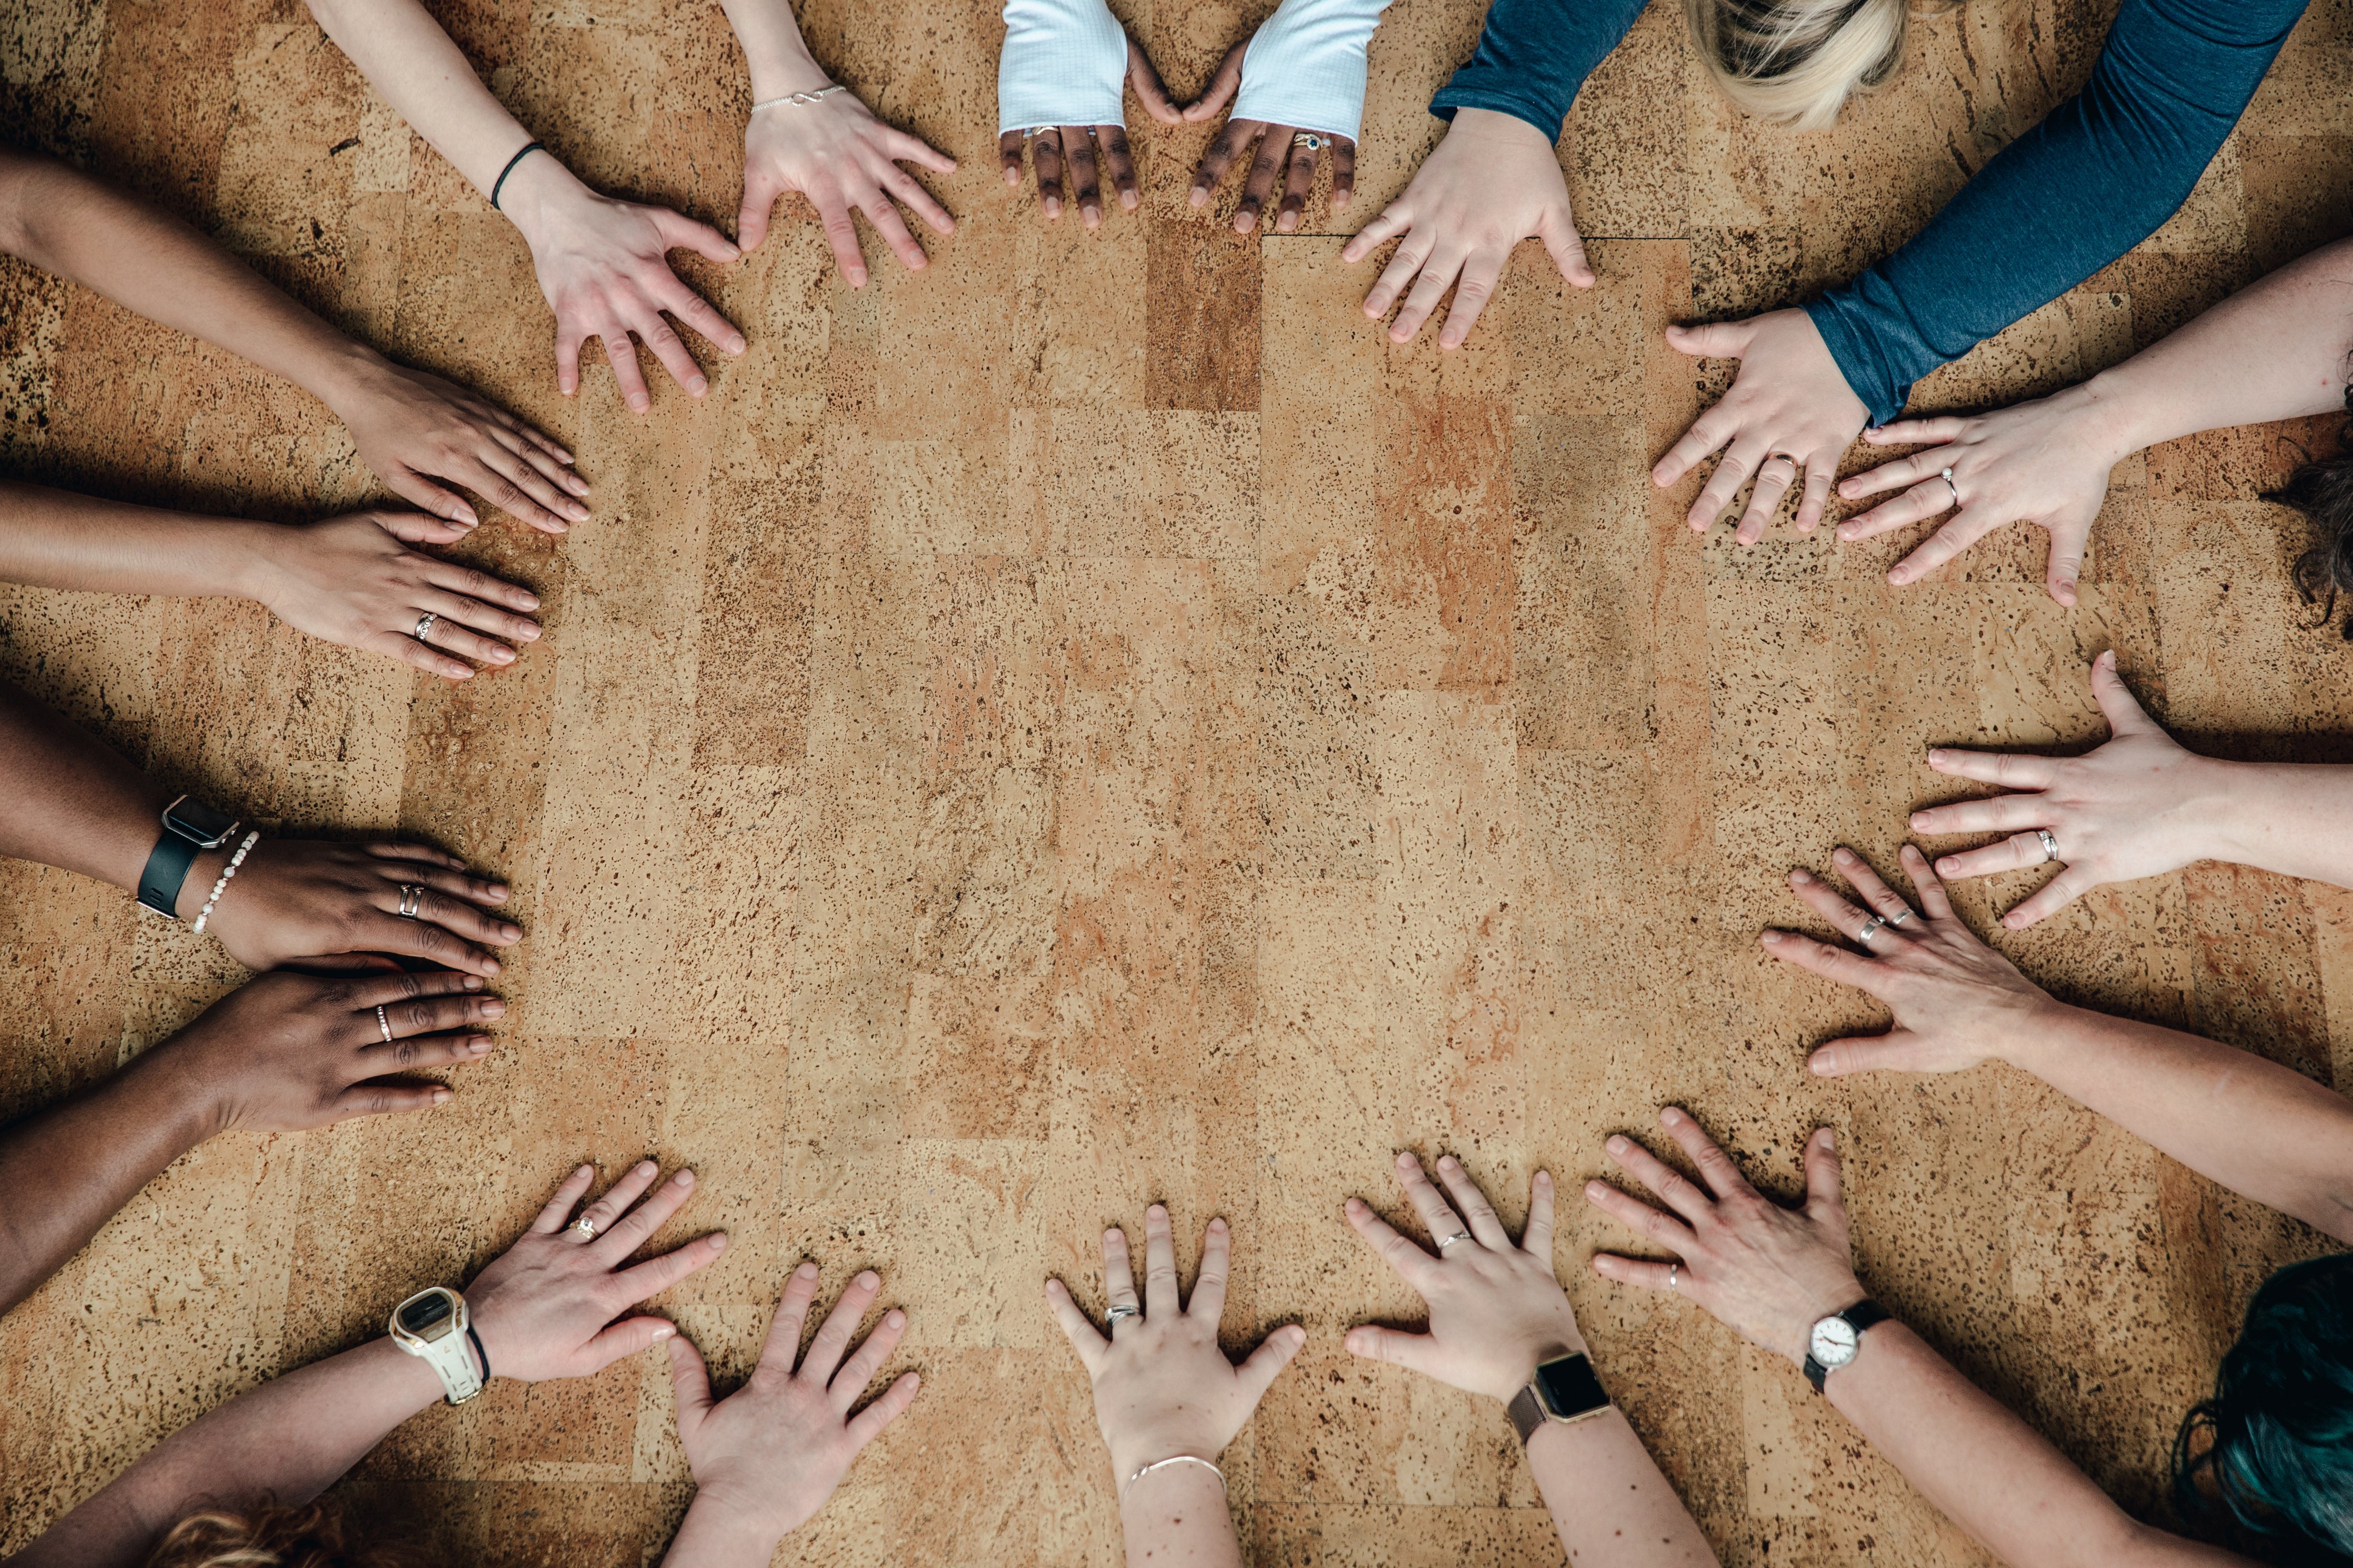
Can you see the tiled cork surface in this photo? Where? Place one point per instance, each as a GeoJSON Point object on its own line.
{"type": "Point", "coordinates": [1091, 722]}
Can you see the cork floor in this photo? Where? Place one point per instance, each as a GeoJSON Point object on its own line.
{"type": "Point", "coordinates": [1092, 722]}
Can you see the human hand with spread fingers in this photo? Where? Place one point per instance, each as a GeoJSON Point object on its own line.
{"type": "Point", "coordinates": [1059, 93]}
{"type": "Point", "coordinates": [1297, 88]}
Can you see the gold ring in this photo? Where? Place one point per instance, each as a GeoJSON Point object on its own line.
{"type": "Point", "coordinates": [584, 1227]}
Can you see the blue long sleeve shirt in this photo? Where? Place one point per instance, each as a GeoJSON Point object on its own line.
{"type": "Point", "coordinates": [2093, 178]}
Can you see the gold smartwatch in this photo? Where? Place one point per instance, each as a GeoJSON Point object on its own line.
{"type": "Point", "coordinates": [1564, 1389]}
{"type": "Point", "coordinates": [435, 1325]}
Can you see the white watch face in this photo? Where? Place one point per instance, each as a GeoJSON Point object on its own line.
{"type": "Point", "coordinates": [1834, 1342]}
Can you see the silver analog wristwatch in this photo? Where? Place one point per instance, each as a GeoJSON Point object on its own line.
{"type": "Point", "coordinates": [434, 1325]}
{"type": "Point", "coordinates": [1836, 1339]}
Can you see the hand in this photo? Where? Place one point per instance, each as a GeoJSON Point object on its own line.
{"type": "Point", "coordinates": [352, 580]}
{"type": "Point", "coordinates": [545, 1307]}
{"type": "Point", "coordinates": [1766, 1273]}
{"type": "Point", "coordinates": [835, 152]}
{"type": "Point", "coordinates": [412, 428]}
{"type": "Point", "coordinates": [1957, 1001]}
{"type": "Point", "coordinates": [2044, 462]}
{"type": "Point", "coordinates": [1496, 1310]}
{"type": "Point", "coordinates": [1054, 146]}
{"type": "Point", "coordinates": [288, 1052]}
{"type": "Point", "coordinates": [2137, 806]}
{"type": "Point", "coordinates": [1789, 408]}
{"type": "Point", "coordinates": [298, 898]}
{"type": "Point", "coordinates": [1491, 184]}
{"type": "Point", "coordinates": [604, 266]}
{"type": "Point", "coordinates": [1162, 1385]}
{"type": "Point", "coordinates": [768, 1457]}
{"type": "Point", "coordinates": [1280, 158]}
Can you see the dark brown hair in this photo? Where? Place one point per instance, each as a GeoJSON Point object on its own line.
{"type": "Point", "coordinates": [2322, 488]}
{"type": "Point", "coordinates": [268, 1536]}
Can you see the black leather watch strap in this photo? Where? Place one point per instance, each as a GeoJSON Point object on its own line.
{"type": "Point", "coordinates": [167, 870]}
{"type": "Point", "coordinates": [1858, 1317]}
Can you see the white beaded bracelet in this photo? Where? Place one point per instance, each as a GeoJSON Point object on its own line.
{"type": "Point", "coordinates": [800, 98]}
{"type": "Point", "coordinates": [227, 872]}
{"type": "Point", "coordinates": [1164, 1463]}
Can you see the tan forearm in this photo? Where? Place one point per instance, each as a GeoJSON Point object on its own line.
{"type": "Point", "coordinates": [780, 62]}
{"type": "Point", "coordinates": [56, 539]}
{"type": "Point", "coordinates": [1609, 1499]}
{"type": "Point", "coordinates": [406, 57]}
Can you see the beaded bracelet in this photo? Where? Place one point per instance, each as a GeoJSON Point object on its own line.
{"type": "Point", "coordinates": [227, 872]}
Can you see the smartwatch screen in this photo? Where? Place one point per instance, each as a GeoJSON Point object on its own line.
{"type": "Point", "coordinates": [200, 824]}
{"type": "Point", "coordinates": [423, 1314]}
{"type": "Point", "coordinates": [1569, 1387]}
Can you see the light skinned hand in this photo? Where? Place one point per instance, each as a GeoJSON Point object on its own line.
{"type": "Point", "coordinates": [2044, 462]}
{"type": "Point", "coordinates": [1280, 165]}
{"type": "Point", "coordinates": [1492, 182]}
{"type": "Point", "coordinates": [604, 266]}
{"type": "Point", "coordinates": [1789, 410]}
{"type": "Point", "coordinates": [353, 581]}
{"type": "Point", "coordinates": [287, 1052]}
{"type": "Point", "coordinates": [1162, 1385]}
{"type": "Point", "coordinates": [1072, 152]}
{"type": "Point", "coordinates": [839, 155]}
{"type": "Point", "coordinates": [1957, 1001]}
{"type": "Point", "coordinates": [1496, 1310]}
{"type": "Point", "coordinates": [552, 1304]}
{"type": "Point", "coordinates": [413, 428]}
{"type": "Point", "coordinates": [307, 898]}
{"type": "Point", "coordinates": [2137, 806]}
{"type": "Point", "coordinates": [1766, 1272]}
{"type": "Point", "coordinates": [769, 1454]}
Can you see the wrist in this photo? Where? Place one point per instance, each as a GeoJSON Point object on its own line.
{"type": "Point", "coordinates": [778, 73]}
{"type": "Point", "coordinates": [1496, 125]}
{"type": "Point", "coordinates": [1557, 1340]}
{"type": "Point", "coordinates": [539, 192]}
{"type": "Point", "coordinates": [2115, 418]}
{"type": "Point", "coordinates": [346, 374]}
{"type": "Point", "coordinates": [720, 1529]}
{"type": "Point", "coordinates": [1829, 1304]}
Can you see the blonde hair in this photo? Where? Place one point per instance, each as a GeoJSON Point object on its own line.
{"type": "Point", "coordinates": [1795, 62]}
{"type": "Point", "coordinates": [268, 1536]}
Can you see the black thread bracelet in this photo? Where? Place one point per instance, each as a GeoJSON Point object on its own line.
{"type": "Point", "coordinates": [479, 1351]}
{"type": "Point", "coordinates": [500, 184]}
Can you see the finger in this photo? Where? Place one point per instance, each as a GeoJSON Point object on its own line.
{"type": "Point", "coordinates": [1885, 901]}
{"type": "Point", "coordinates": [1046, 158]}
{"type": "Point", "coordinates": [1715, 1167]}
{"type": "Point", "coordinates": [1226, 146]}
{"type": "Point", "coordinates": [473, 613]}
{"type": "Point", "coordinates": [417, 490]}
{"type": "Point", "coordinates": [910, 190]}
{"type": "Point", "coordinates": [384, 933]}
{"type": "Point", "coordinates": [1660, 1229]}
{"type": "Point", "coordinates": [868, 1424]}
{"type": "Point", "coordinates": [1708, 432]}
{"type": "Point", "coordinates": [1079, 147]}
{"type": "Point", "coordinates": [1266, 167]}
{"type": "Point", "coordinates": [426, 1015]}
{"type": "Point", "coordinates": [679, 232]}
{"type": "Point", "coordinates": [2002, 813]}
{"type": "Point", "coordinates": [606, 1212]}
{"type": "Point", "coordinates": [2052, 897]}
{"type": "Point", "coordinates": [1406, 263]}
{"type": "Point", "coordinates": [1150, 90]}
{"type": "Point", "coordinates": [626, 1339]}
{"type": "Point", "coordinates": [1933, 901]}
{"type": "Point", "coordinates": [1472, 1205]}
{"type": "Point", "coordinates": [1343, 171]}
{"type": "Point", "coordinates": [1298, 180]}
{"type": "Point", "coordinates": [1257, 1374]}
{"type": "Point", "coordinates": [1438, 1217]}
{"type": "Point", "coordinates": [1712, 339]}
{"type": "Point", "coordinates": [1678, 1192]}
{"type": "Point", "coordinates": [1224, 82]}
{"type": "Point", "coordinates": [1774, 479]}
{"type": "Point", "coordinates": [1119, 163]}
{"type": "Point", "coordinates": [2070, 537]}
{"type": "Point", "coordinates": [2126, 716]}
{"type": "Point", "coordinates": [629, 1232]}
{"type": "Point", "coordinates": [1536, 1240]}
{"type": "Point", "coordinates": [893, 231]}
{"type": "Point", "coordinates": [2011, 770]}
{"type": "Point", "coordinates": [669, 349]}
{"type": "Point", "coordinates": [541, 441]}
{"type": "Point", "coordinates": [1639, 1271]}
{"type": "Point", "coordinates": [689, 1380]}
{"type": "Point", "coordinates": [1896, 1051]}
{"type": "Point", "coordinates": [489, 590]}
{"type": "Point", "coordinates": [622, 355]}
{"type": "Point", "coordinates": [1917, 432]}
{"type": "Point", "coordinates": [1810, 505]}
{"type": "Point", "coordinates": [451, 634]}
{"type": "Point", "coordinates": [1842, 965]}
{"type": "Point", "coordinates": [1077, 1327]}
{"type": "Point", "coordinates": [1965, 529]}
{"type": "Point", "coordinates": [1411, 1352]}
{"type": "Point", "coordinates": [1917, 504]}
{"type": "Point", "coordinates": [659, 1273]}
{"type": "Point", "coordinates": [1395, 219]}
{"type": "Point", "coordinates": [1895, 474]}
{"type": "Point", "coordinates": [1732, 471]}
{"type": "Point", "coordinates": [568, 343]}
{"type": "Point", "coordinates": [1119, 1276]}
{"type": "Point", "coordinates": [1008, 156]}
{"type": "Point", "coordinates": [1209, 1302]}
{"type": "Point", "coordinates": [408, 856]}
{"type": "Point", "coordinates": [522, 491]}
{"type": "Point", "coordinates": [760, 193]}
{"type": "Point", "coordinates": [1413, 1265]}
{"type": "Point", "coordinates": [1438, 275]}
{"type": "Point", "coordinates": [387, 991]}
{"type": "Point", "coordinates": [388, 1099]}
{"type": "Point", "coordinates": [1480, 275]}
{"type": "Point", "coordinates": [840, 1326]}
{"type": "Point", "coordinates": [420, 528]}
{"type": "Point", "coordinates": [1829, 903]}
{"type": "Point", "coordinates": [546, 459]}
{"type": "Point", "coordinates": [1823, 1199]}
{"type": "Point", "coordinates": [903, 147]}
{"type": "Point", "coordinates": [848, 1385]}
{"type": "Point", "coordinates": [841, 235]}
{"type": "Point", "coordinates": [1159, 1264]}
{"type": "Point", "coordinates": [782, 1348]}
{"type": "Point", "coordinates": [558, 1212]}
{"type": "Point", "coordinates": [1565, 246]}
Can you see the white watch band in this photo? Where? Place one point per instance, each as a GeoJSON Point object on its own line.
{"type": "Point", "coordinates": [1305, 66]}
{"type": "Point", "coordinates": [442, 1341]}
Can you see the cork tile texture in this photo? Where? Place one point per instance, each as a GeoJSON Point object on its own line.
{"type": "Point", "coordinates": [1092, 722]}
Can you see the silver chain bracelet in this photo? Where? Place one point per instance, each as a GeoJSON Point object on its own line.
{"type": "Point", "coordinates": [799, 98]}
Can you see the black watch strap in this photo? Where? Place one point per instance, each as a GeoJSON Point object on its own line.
{"type": "Point", "coordinates": [167, 870]}
{"type": "Point", "coordinates": [1860, 1317]}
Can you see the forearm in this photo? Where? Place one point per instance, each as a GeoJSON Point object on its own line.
{"type": "Point", "coordinates": [56, 539]}
{"type": "Point", "coordinates": [1609, 1499]}
{"type": "Point", "coordinates": [2295, 818]}
{"type": "Point", "coordinates": [1178, 1518]}
{"type": "Point", "coordinates": [62, 220]}
{"type": "Point", "coordinates": [2259, 1129]}
{"type": "Point", "coordinates": [712, 1537]}
{"type": "Point", "coordinates": [406, 57]}
{"type": "Point", "coordinates": [66, 1171]}
{"type": "Point", "coordinates": [779, 60]}
{"type": "Point", "coordinates": [70, 802]}
{"type": "Point", "coordinates": [1985, 1469]}
{"type": "Point", "coordinates": [290, 1438]}
{"type": "Point", "coordinates": [1532, 57]}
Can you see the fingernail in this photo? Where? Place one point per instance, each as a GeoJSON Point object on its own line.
{"type": "Point", "coordinates": [1830, 1139]}
{"type": "Point", "coordinates": [502, 656]}
{"type": "Point", "coordinates": [1616, 1145]}
{"type": "Point", "coordinates": [1820, 1063]}
{"type": "Point", "coordinates": [806, 1271]}
{"type": "Point", "coordinates": [472, 982]}
{"type": "Point", "coordinates": [1544, 1178]}
{"type": "Point", "coordinates": [491, 964]}
{"type": "Point", "coordinates": [1216, 1225]}
{"type": "Point", "coordinates": [1447, 1163]}
{"type": "Point", "coordinates": [684, 1178]}
{"type": "Point", "coordinates": [1950, 866]}
{"type": "Point", "coordinates": [1802, 875]}
{"type": "Point", "coordinates": [493, 1008]}
{"type": "Point", "coordinates": [869, 1280]}
{"type": "Point", "coordinates": [530, 634]}
{"type": "Point", "coordinates": [480, 1044]}
{"type": "Point", "coordinates": [512, 933]}
{"type": "Point", "coordinates": [664, 1333]}
{"type": "Point", "coordinates": [698, 386]}
{"type": "Point", "coordinates": [440, 1097]}
{"type": "Point", "coordinates": [895, 1316]}
{"type": "Point", "coordinates": [1199, 197]}
{"type": "Point", "coordinates": [1594, 1189]}
{"type": "Point", "coordinates": [1670, 1115]}
{"type": "Point", "coordinates": [647, 1167]}
{"type": "Point", "coordinates": [1919, 819]}
{"type": "Point", "coordinates": [719, 1241]}
{"type": "Point", "coordinates": [1771, 939]}
{"type": "Point", "coordinates": [638, 405]}
{"type": "Point", "coordinates": [1842, 856]}
{"type": "Point", "coordinates": [585, 1170]}
{"type": "Point", "coordinates": [1156, 1212]}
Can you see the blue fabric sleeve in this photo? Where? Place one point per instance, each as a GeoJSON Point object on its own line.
{"type": "Point", "coordinates": [2096, 176]}
{"type": "Point", "coordinates": [1533, 56]}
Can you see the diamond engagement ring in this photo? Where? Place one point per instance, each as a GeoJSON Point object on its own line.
{"type": "Point", "coordinates": [1947, 477]}
{"type": "Point", "coordinates": [423, 623]}
{"type": "Point", "coordinates": [584, 1227]}
{"type": "Point", "coordinates": [1307, 139]}
{"type": "Point", "coordinates": [1674, 1271]}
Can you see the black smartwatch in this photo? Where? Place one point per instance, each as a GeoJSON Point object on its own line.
{"type": "Point", "coordinates": [1836, 1339]}
{"type": "Point", "coordinates": [1564, 1389]}
{"type": "Point", "coordinates": [190, 827]}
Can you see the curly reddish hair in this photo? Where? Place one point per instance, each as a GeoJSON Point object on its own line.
{"type": "Point", "coordinates": [314, 1535]}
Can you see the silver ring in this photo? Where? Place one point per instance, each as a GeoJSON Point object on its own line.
{"type": "Point", "coordinates": [584, 1227]}
{"type": "Point", "coordinates": [1947, 477]}
{"type": "Point", "coordinates": [384, 1024]}
{"type": "Point", "coordinates": [1116, 1313]}
{"type": "Point", "coordinates": [1674, 1271]}
{"type": "Point", "coordinates": [423, 623]}
{"type": "Point", "coordinates": [2049, 845]}
{"type": "Point", "coordinates": [1446, 1241]}
{"type": "Point", "coordinates": [1870, 928]}
{"type": "Point", "coordinates": [1899, 917]}
{"type": "Point", "coordinates": [412, 899]}
{"type": "Point", "coordinates": [1307, 139]}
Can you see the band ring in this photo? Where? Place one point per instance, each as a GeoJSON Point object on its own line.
{"type": "Point", "coordinates": [1871, 927]}
{"type": "Point", "coordinates": [584, 1227]}
{"type": "Point", "coordinates": [423, 623]}
{"type": "Point", "coordinates": [1446, 1241]}
{"type": "Point", "coordinates": [383, 1026]}
{"type": "Point", "coordinates": [1947, 477]}
{"type": "Point", "coordinates": [1899, 917]}
{"type": "Point", "coordinates": [1781, 458]}
{"type": "Point", "coordinates": [412, 899]}
{"type": "Point", "coordinates": [1116, 1313]}
{"type": "Point", "coordinates": [1307, 139]}
{"type": "Point", "coordinates": [2049, 845]}
{"type": "Point", "coordinates": [1674, 1272]}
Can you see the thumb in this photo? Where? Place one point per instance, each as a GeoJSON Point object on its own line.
{"type": "Point", "coordinates": [1712, 339]}
{"type": "Point", "coordinates": [1411, 1352]}
{"type": "Point", "coordinates": [1265, 1363]}
{"type": "Point", "coordinates": [2068, 539]}
{"type": "Point", "coordinates": [1823, 1200]}
{"type": "Point", "coordinates": [759, 200]}
{"type": "Point", "coordinates": [679, 232]}
{"type": "Point", "coordinates": [2126, 716]}
{"type": "Point", "coordinates": [625, 1339]}
{"type": "Point", "coordinates": [1221, 87]}
{"type": "Point", "coordinates": [420, 528]}
{"type": "Point", "coordinates": [1892, 1052]}
{"type": "Point", "coordinates": [690, 1381]}
{"type": "Point", "coordinates": [1557, 229]}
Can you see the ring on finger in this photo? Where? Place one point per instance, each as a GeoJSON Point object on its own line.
{"type": "Point", "coordinates": [1307, 139]}
{"type": "Point", "coordinates": [1674, 1272]}
{"type": "Point", "coordinates": [2049, 845]}
{"type": "Point", "coordinates": [1946, 475]}
{"type": "Point", "coordinates": [584, 1227]}
{"type": "Point", "coordinates": [423, 623]}
{"type": "Point", "coordinates": [1780, 457]}
{"type": "Point", "coordinates": [383, 1026]}
{"type": "Point", "coordinates": [1899, 917]}
{"type": "Point", "coordinates": [1123, 1311]}
{"type": "Point", "coordinates": [412, 899]}
{"type": "Point", "coordinates": [1446, 1241]}
{"type": "Point", "coordinates": [1870, 928]}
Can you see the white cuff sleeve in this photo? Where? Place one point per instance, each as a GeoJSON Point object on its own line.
{"type": "Point", "coordinates": [1305, 68]}
{"type": "Point", "coordinates": [1065, 63]}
